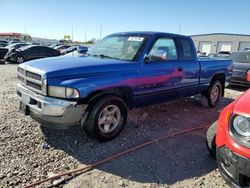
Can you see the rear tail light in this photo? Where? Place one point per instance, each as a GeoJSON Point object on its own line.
{"type": "Point", "coordinates": [248, 76]}
{"type": "Point", "coordinates": [58, 52]}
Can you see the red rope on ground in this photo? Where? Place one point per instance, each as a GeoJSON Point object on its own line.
{"type": "Point", "coordinates": [91, 166]}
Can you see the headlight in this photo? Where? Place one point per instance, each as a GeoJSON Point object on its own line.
{"type": "Point", "coordinates": [63, 92]}
{"type": "Point", "coordinates": [72, 93]}
{"type": "Point", "coordinates": [241, 125]}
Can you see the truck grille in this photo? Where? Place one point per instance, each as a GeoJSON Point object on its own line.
{"type": "Point", "coordinates": [33, 75]}
{"type": "Point", "coordinates": [238, 73]}
{"type": "Point", "coordinates": [31, 80]}
{"type": "Point", "coordinates": [34, 85]}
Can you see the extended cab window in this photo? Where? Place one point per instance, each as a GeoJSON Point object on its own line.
{"type": "Point", "coordinates": [186, 49]}
{"type": "Point", "coordinates": [164, 49]}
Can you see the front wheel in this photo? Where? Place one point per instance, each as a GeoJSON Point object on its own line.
{"type": "Point", "coordinates": [210, 139]}
{"type": "Point", "coordinates": [106, 118]}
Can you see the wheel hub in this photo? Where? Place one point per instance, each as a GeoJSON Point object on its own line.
{"type": "Point", "coordinates": [215, 93]}
{"type": "Point", "coordinates": [20, 60]}
{"type": "Point", "coordinates": [109, 118]}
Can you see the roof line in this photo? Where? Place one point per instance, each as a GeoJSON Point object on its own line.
{"type": "Point", "coordinates": [220, 34]}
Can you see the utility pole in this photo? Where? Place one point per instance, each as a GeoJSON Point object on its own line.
{"type": "Point", "coordinates": [72, 33]}
{"type": "Point", "coordinates": [101, 31]}
{"type": "Point", "coordinates": [25, 33]}
{"type": "Point", "coordinates": [180, 29]}
{"type": "Point", "coordinates": [85, 36]}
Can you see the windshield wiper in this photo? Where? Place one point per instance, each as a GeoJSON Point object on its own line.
{"type": "Point", "coordinates": [103, 56]}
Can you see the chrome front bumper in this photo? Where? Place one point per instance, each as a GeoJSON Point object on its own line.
{"type": "Point", "coordinates": [52, 112]}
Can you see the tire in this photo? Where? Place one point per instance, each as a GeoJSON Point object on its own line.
{"type": "Point", "coordinates": [210, 139]}
{"type": "Point", "coordinates": [20, 59]}
{"type": "Point", "coordinates": [213, 96]}
{"type": "Point", "coordinates": [101, 123]}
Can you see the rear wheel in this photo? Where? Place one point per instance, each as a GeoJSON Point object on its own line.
{"type": "Point", "coordinates": [213, 96]}
{"type": "Point", "coordinates": [106, 118]}
{"type": "Point", "coordinates": [20, 59]}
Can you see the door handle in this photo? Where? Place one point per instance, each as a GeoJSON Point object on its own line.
{"type": "Point", "coordinates": [180, 69]}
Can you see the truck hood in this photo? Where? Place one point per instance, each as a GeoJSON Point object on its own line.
{"type": "Point", "coordinates": [242, 105]}
{"type": "Point", "coordinates": [73, 66]}
{"type": "Point", "coordinates": [241, 66]}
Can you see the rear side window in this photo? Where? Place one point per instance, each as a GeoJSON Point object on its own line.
{"type": "Point", "coordinates": [35, 49]}
{"type": "Point", "coordinates": [186, 49]}
{"type": "Point", "coordinates": [31, 49]}
{"type": "Point", "coordinates": [46, 49]}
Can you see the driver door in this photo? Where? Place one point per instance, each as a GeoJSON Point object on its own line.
{"type": "Point", "coordinates": [160, 75]}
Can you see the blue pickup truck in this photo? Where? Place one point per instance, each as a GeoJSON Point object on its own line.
{"type": "Point", "coordinates": [121, 72]}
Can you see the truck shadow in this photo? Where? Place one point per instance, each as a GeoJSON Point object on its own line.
{"type": "Point", "coordinates": [169, 161]}
{"type": "Point", "coordinates": [237, 88]}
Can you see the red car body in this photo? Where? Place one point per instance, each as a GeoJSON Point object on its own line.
{"type": "Point", "coordinates": [241, 106]}
{"type": "Point", "coordinates": [232, 149]}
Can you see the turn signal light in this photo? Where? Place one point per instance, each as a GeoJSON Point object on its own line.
{"type": "Point", "coordinates": [248, 76]}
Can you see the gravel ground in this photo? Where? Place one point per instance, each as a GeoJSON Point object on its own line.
{"type": "Point", "coordinates": [29, 152]}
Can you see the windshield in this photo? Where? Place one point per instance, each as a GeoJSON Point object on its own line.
{"type": "Point", "coordinates": [10, 45]}
{"type": "Point", "coordinates": [123, 47]}
{"type": "Point", "coordinates": [242, 57]}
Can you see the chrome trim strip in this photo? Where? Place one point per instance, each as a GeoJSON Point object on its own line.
{"type": "Point", "coordinates": [34, 81]}
{"type": "Point", "coordinates": [33, 89]}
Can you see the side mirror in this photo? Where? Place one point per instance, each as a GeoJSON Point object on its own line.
{"type": "Point", "coordinates": [82, 49]}
{"type": "Point", "coordinates": [248, 76]}
{"type": "Point", "coordinates": [146, 59]}
{"type": "Point", "coordinates": [158, 55]}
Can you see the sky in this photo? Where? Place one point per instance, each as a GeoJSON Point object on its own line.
{"type": "Point", "coordinates": [55, 18]}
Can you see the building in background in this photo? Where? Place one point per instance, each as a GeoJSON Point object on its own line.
{"type": "Point", "coordinates": [16, 37]}
{"type": "Point", "coordinates": [216, 42]}
{"type": "Point", "coordinates": [44, 41]}
{"type": "Point", "coordinates": [19, 37]}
